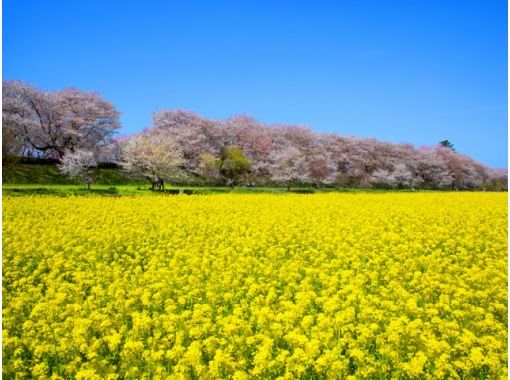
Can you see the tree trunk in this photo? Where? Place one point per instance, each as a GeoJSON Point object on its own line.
{"type": "Point", "coordinates": [288, 186]}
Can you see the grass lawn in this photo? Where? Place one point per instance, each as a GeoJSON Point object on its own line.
{"type": "Point", "coordinates": [36, 179]}
{"type": "Point", "coordinates": [22, 189]}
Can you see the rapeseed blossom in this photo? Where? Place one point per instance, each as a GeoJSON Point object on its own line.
{"type": "Point", "coordinates": [256, 286]}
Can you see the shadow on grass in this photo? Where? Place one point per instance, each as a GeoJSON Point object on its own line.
{"type": "Point", "coordinates": [58, 192]}
{"type": "Point", "coordinates": [31, 191]}
{"type": "Point", "coordinates": [109, 191]}
{"type": "Point", "coordinates": [303, 191]}
{"type": "Point", "coordinates": [176, 191]}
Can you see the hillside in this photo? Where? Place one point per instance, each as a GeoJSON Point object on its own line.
{"type": "Point", "coordinates": [21, 173]}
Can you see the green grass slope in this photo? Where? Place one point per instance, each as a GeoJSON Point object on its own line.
{"type": "Point", "coordinates": [48, 174]}
{"type": "Point", "coordinates": [21, 179]}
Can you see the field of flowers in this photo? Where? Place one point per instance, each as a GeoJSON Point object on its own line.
{"type": "Point", "coordinates": [256, 286]}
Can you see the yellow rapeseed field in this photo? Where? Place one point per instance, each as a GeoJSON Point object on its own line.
{"type": "Point", "coordinates": [256, 286]}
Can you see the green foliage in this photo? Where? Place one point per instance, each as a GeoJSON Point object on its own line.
{"type": "Point", "coordinates": [447, 144]}
{"type": "Point", "coordinates": [494, 186]}
{"type": "Point", "coordinates": [209, 168]}
{"type": "Point", "coordinates": [233, 163]}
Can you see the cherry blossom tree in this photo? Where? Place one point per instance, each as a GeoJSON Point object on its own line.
{"type": "Point", "coordinates": [12, 144]}
{"type": "Point", "coordinates": [253, 138]}
{"type": "Point", "coordinates": [193, 134]}
{"type": "Point", "coordinates": [152, 155]}
{"type": "Point", "coordinates": [78, 164]}
{"type": "Point", "coordinates": [464, 172]}
{"type": "Point", "coordinates": [382, 178]}
{"type": "Point", "coordinates": [110, 152]}
{"type": "Point", "coordinates": [498, 179]}
{"type": "Point", "coordinates": [289, 165]}
{"type": "Point", "coordinates": [57, 122]}
{"type": "Point", "coordinates": [430, 169]}
{"type": "Point", "coordinates": [402, 176]}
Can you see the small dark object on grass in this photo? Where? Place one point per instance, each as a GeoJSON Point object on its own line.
{"type": "Point", "coordinates": [158, 183]}
{"type": "Point", "coordinates": [88, 181]}
{"type": "Point", "coordinates": [303, 191]}
{"type": "Point", "coordinates": [179, 191]}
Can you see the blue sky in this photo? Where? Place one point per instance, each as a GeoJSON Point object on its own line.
{"type": "Point", "coordinates": [402, 71]}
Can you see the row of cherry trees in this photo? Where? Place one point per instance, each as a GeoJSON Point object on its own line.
{"type": "Point", "coordinates": [77, 128]}
{"type": "Point", "coordinates": [288, 155]}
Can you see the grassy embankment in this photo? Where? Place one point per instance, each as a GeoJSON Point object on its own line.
{"type": "Point", "coordinates": [30, 179]}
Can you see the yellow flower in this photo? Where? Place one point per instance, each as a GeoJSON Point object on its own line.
{"type": "Point", "coordinates": [237, 286]}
